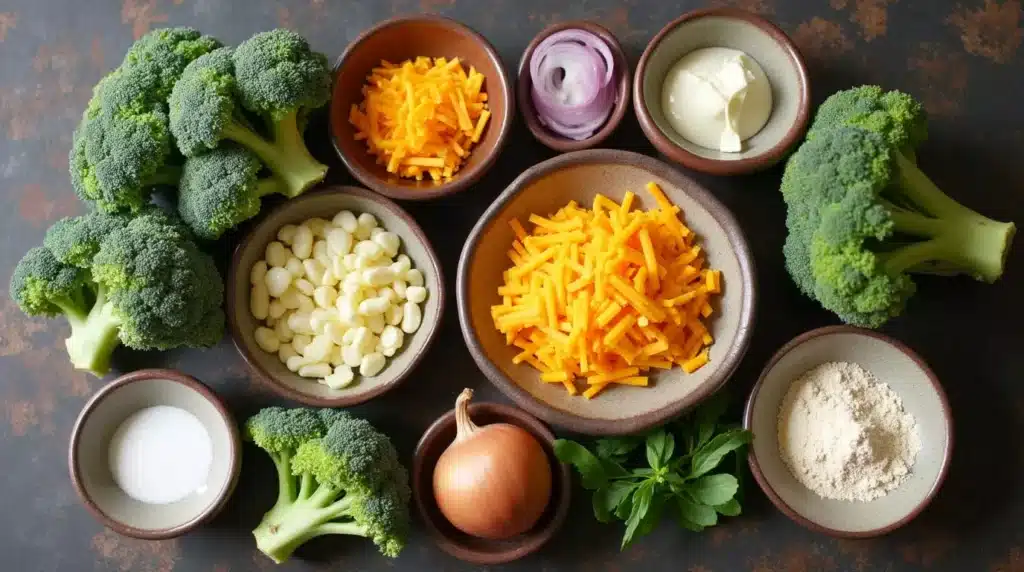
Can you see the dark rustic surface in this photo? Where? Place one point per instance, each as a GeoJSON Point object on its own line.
{"type": "Point", "coordinates": [963, 59]}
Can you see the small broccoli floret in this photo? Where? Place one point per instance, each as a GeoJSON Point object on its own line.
{"type": "Point", "coordinates": [167, 51]}
{"type": "Point", "coordinates": [862, 217]}
{"type": "Point", "coordinates": [338, 475]}
{"type": "Point", "coordinates": [205, 109]}
{"type": "Point", "coordinates": [279, 74]}
{"type": "Point", "coordinates": [222, 188]}
{"type": "Point", "coordinates": [894, 115]}
{"type": "Point", "coordinates": [136, 280]}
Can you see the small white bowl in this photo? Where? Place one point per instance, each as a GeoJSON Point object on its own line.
{"type": "Point", "coordinates": [104, 413]}
{"type": "Point", "coordinates": [892, 363]}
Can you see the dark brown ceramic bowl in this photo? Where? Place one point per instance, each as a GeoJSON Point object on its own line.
{"type": "Point", "coordinates": [104, 413]}
{"type": "Point", "coordinates": [906, 374]}
{"type": "Point", "coordinates": [325, 203]}
{"type": "Point", "coordinates": [524, 89]}
{"type": "Point", "coordinates": [758, 38]}
{"type": "Point", "coordinates": [481, 551]}
{"type": "Point", "coordinates": [579, 175]}
{"type": "Point", "coordinates": [397, 40]}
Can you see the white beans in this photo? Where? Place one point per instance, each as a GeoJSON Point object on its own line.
{"type": "Point", "coordinates": [333, 297]}
{"type": "Point", "coordinates": [259, 301]}
{"type": "Point", "coordinates": [278, 280]}
{"type": "Point", "coordinates": [411, 317]}
{"type": "Point", "coordinates": [266, 339]}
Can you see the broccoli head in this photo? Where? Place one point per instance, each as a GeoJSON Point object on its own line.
{"type": "Point", "coordinates": [205, 110]}
{"type": "Point", "coordinates": [894, 115]}
{"type": "Point", "coordinates": [853, 242]}
{"type": "Point", "coordinates": [119, 279]}
{"type": "Point", "coordinates": [166, 51]}
{"type": "Point", "coordinates": [279, 74]}
{"type": "Point", "coordinates": [337, 475]}
{"type": "Point", "coordinates": [222, 188]}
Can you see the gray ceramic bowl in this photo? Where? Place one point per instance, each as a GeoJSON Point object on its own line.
{"type": "Point", "coordinates": [758, 38]}
{"type": "Point", "coordinates": [104, 413]}
{"type": "Point", "coordinates": [892, 363]}
{"type": "Point", "coordinates": [326, 203]}
{"type": "Point", "coordinates": [579, 175]}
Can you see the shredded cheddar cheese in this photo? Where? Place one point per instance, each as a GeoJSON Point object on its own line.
{"type": "Point", "coordinates": [421, 117]}
{"type": "Point", "coordinates": [601, 295]}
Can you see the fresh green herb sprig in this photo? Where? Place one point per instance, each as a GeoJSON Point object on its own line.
{"type": "Point", "coordinates": [677, 467]}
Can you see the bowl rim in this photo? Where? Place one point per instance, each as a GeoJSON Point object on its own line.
{"type": "Point", "coordinates": [211, 510]}
{"type": "Point", "coordinates": [269, 380]}
{"type": "Point", "coordinates": [515, 416]}
{"type": "Point", "coordinates": [769, 491]}
{"type": "Point", "coordinates": [707, 165]}
{"type": "Point", "coordinates": [524, 85]}
{"type": "Point", "coordinates": [465, 177]}
{"type": "Point", "coordinates": [727, 364]}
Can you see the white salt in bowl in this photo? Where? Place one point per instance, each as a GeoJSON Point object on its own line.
{"type": "Point", "coordinates": [907, 375]}
{"type": "Point", "coordinates": [89, 459]}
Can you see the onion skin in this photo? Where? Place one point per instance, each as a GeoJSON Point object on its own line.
{"type": "Point", "coordinates": [494, 481]}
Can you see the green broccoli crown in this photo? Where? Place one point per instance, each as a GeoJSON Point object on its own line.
{"type": "Point", "coordinates": [165, 291]}
{"type": "Point", "coordinates": [384, 516]}
{"type": "Point", "coordinates": [351, 456]}
{"type": "Point", "coordinates": [202, 103]}
{"type": "Point", "coordinates": [76, 240]}
{"type": "Point", "coordinates": [278, 74]}
{"type": "Point", "coordinates": [221, 189]}
{"type": "Point", "coordinates": [43, 286]}
{"type": "Point", "coordinates": [121, 148]}
{"type": "Point", "coordinates": [895, 115]}
{"type": "Point", "coordinates": [166, 52]}
{"type": "Point", "coordinates": [278, 430]}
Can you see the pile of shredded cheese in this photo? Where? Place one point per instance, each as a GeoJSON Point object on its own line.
{"type": "Point", "coordinates": [607, 293]}
{"type": "Point", "coordinates": [421, 117]}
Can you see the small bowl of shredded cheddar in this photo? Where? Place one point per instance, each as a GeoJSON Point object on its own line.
{"type": "Point", "coordinates": [421, 107]}
{"type": "Point", "coordinates": [606, 292]}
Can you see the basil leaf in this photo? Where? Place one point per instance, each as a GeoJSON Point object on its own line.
{"type": "Point", "coordinates": [699, 514]}
{"type": "Point", "coordinates": [706, 417]}
{"type": "Point", "coordinates": [653, 516]}
{"type": "Point", "coordinates": [711, 454]}
{"type": "Point", "coordinates": [713, 490]}
{"type": "Point", "coordinates": [731, 508]}
{"type": "Point", "coordinates": [591, 470]}
{"type": "Point", "coordinates": [641, 503]}
{"type": "Point", "coordinates": [612, 469]}
{"type": "Point", "coordinates": [660, 445]}
{"type": "Point", "coordinates": [606, 500]}
{"type": "Point", "coordinates": [625, 505]}
{"type": "Point", "coordinates": [617, 448]}
{"type": "Point", "coordinates": [644, 472]}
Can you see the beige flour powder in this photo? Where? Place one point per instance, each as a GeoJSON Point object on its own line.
{"type": "Point", "coordinates": [845, 435]}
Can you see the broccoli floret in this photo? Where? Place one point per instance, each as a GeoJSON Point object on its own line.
{"type": "Point", "coordinates": [280, 75]}
{"type": "Point", "coordinates": [894, 115]}
{"type": "Point", "coordinates": [852, 243]}
{"type": "Point", "coordinates": [118, 279]}
{"type": "Point", "coordinates": [337, 475]}
{"type": "Point", "coordinates": [167, 51]}
{"type": "Point", "coordinates": [206, 108]}
{"type": "Point", "coordinates": [222, 188]}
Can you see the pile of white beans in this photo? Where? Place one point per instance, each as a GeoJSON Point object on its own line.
{"type": "Point", "coordinates": [335, 297]}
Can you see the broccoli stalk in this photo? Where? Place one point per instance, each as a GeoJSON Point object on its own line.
{"type": "Point", "coordinates": [94, 336]}
{"type": "Point", "coordinates": [286, 154]}
{"type": "Point", "coordinates": [336, 475]}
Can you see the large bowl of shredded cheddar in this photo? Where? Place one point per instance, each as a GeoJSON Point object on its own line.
{"type": "Point", "coordinates": [420, 108]}
{"type": "Point", "coordinates": [606, 292]}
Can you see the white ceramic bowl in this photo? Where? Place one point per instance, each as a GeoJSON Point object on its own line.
{"type": "Point", "coordinates": [892, 363]}
{"type": "Point", "coordinates": [104, 413]}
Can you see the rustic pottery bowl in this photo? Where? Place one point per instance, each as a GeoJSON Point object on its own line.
{"type": "Point", "coordinates": [397, 40]}
{"type": "Point", "coordinates": [326, 203]}
{"type": "Point", "coordinates": [481, 551]}
{"type": "Point", "coordinates": [104, 413]}
{"type": "Point", "coordinates": [892, 363]}
{"type": "Point", "coordinates": [543, 189]}
{"type": "Point", "coordinates": [759, 39]}
{"type": "Point", "coordinates": [524, 89]}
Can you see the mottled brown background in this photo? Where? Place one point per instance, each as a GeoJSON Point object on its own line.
{"type": "Point", "coordinates": [963, 59]}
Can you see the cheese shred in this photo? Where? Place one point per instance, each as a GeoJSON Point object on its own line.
{"type": "Point", "coordinates": [601, 295]}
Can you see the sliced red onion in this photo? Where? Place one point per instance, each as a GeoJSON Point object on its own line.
{"type": "Point", "coordinates": [573, 93]}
